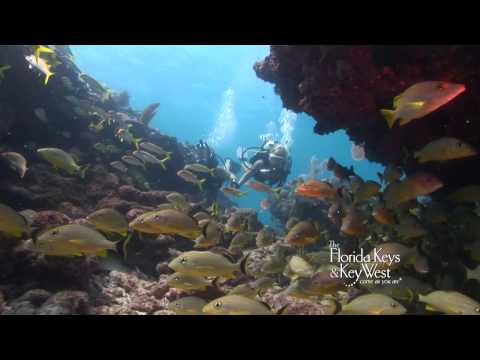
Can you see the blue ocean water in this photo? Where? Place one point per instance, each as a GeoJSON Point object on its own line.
{"type": "Point", "coordinates": [212, 93]}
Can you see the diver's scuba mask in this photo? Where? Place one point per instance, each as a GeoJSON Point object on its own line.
{"type": "Point", "coordinates": [269, 145]}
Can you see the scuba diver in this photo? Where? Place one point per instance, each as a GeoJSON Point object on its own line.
{"type": "Point", "coordinates": [232, 166]}
{"type": "Point", "coordinates": [203, 154]}
{"type": "Point", "coordinates": [270, 164]}
{"type": "Point", "coordinates": [226, 168]}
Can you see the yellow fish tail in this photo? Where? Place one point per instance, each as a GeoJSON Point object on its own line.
{"type": "Point", "coordinates": [200, 184]}
{"type": "Point", "coordinates": [243, 265]}
{"type": "Point", "coordinates": [276, 192]}
{"type": "Point", "coordinates": [418, 156]}
{"type": "Point", "coordinates": [396, 101]}
{"type": "Point", "coordinates": [106, 95]}
{"type": "Point", "coordinates": [83, 171]}
{"type": "Point", "coordinates": [47, 76]}
{"type": "Point", "coordinates": [136, 142]}
{"type": "Point", "coordinates": [390, 116]}
{"type": "Point", "coordinates": [125, 243]}
{"type": "Point", "coordinates": [429, 307]}
{"type": "Point", "coordinates": [3, 69]}
{"type": "Point", "coordinates": [162, 162]}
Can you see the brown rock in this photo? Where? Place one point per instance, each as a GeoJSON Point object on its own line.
{"type": "Point", "coordinates": [164, 312]}
{"type": "Point", "coordinates": [50, 218]}
{"type": "Point", "coordinates": [299, 306]}
{"type": "Point", "coordinates": [159, 291]}
{"type": "Point", "coordinates": [71, 210]}
{"type": "Point", "coordinates": [20, 308]}
{"type": "Point", "coordinates": [35, 296]}
{"type": "Point", "coordinates": [66, 303]}
{"type": "Point", "coordinates": [152, 198]}
{"type": "Point", "coordinates": [162, 268]}
{"type": "Point", "coordinates": [116, 203]}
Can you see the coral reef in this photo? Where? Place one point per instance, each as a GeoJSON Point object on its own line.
{"type": "Point", "coordinates": [132, 220]}
{"type": "Point", "coordinates": [128, 294]}
{"type": "Point", "coordinates": [97, 126]}
{"type": "Point", "coordinates": [344, 87]}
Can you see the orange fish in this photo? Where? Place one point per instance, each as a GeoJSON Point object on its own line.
{"type": "Point", "coordinates": [340, 172]}
{"type": "Point", "coordinates": [383, 216]}
{"type": "Point", "coordinates": [334, 213]}
{"type": "Point", "coordinates": [423, 184]}
{"type": "Point", "coordinates": [303, 233]}
{"type": "Point", "coordinates": [419, 184]}
{"type": "Point", "coordinates": [316, 189]}
{"type": "Point", "coordinates": [259, 186]}
{"type": "Point", "coordinates": [264, 204]}
{"type": "Point", "coordinates": [233, 191]}
{"type": "Point", "coordinates": [420, 100]}
{"type": "Point", "coordinates": [352, 224]}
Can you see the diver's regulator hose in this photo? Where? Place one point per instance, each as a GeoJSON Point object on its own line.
{"type": "Point", "coordinates": [244, 162]}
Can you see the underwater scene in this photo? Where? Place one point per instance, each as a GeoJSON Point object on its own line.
{"type": "Point", "coordinates": [239, 180]}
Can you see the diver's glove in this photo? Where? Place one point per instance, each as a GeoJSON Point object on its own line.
{"type": "Point", "coordinates": [234, 184]}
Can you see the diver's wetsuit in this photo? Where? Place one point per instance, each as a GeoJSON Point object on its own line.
{"type": "Point", "coordinates": [264, 171]}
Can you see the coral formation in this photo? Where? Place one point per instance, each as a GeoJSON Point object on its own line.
{"type": "Point", "coordinates": [76, 113]}
{"type": "Point", "coordinates": [344, 87]}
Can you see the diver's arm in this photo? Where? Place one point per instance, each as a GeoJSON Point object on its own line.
{"type": "Point", "coordinates": [257, 165]}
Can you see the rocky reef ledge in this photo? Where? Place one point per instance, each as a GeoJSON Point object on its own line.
{"type": "Point", "coordinates": [344, 87]}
